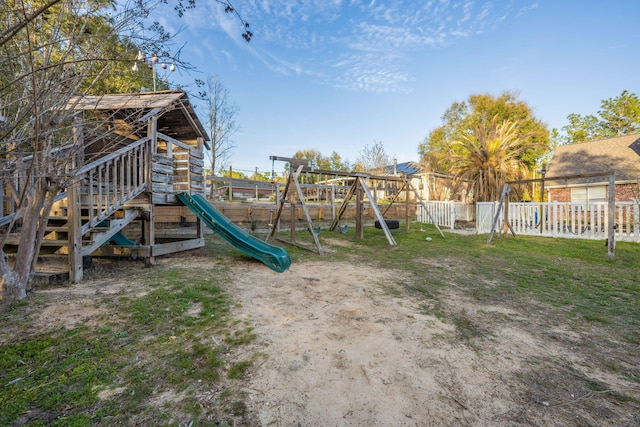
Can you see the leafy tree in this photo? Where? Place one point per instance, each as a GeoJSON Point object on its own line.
{"type": "Point", "coordinates": [489, 156]}
{"type": "Point", "coordinates": [464, 117]}
{"type": "Point", "coordinates": [621, 115]}
{"type": "Point", "coordinates": [260, 176]}
{"type": "Point", "coordinates": [318, 161]}
{"type": "Point", "coordinates": [372, 159]}
{"type": "Point", "coordinates": [233, 174]}
{"type": "Point", "coordinates": [580, 128]}
{"type": "Point", "coordinates": [337, 164]}
{"type": "Point", "coordinates": [616, 117]}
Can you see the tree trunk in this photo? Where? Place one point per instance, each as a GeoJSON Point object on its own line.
{"type": "Point", "coordinates": [9, 290]}
{"type": "Point", "coordinates": [14, 283]}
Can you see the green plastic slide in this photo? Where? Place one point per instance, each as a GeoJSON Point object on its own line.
{"type": "Point", "coordinates": [121, 240]}
{"type": "Point", "coordinates": [272, 256]}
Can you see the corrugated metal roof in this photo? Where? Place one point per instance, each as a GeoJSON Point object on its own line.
{"type": "Point", "coordinates": [406, 168]}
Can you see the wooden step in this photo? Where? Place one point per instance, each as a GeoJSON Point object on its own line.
{"type": "Point", "coordinates": [47, 277]}
{"type": "Point", "coordinates": [58, 228]}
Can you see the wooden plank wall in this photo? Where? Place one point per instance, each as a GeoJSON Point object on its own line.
{"type": "Point", "coordinates": [247, 212]}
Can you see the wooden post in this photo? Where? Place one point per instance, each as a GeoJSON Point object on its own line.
{"type": "Point", "coordinates": [407, 206]}
{"type": "Point", "coordinates": [74, 225]}
{"type": "Point", "coordinates": [276, 225]}
{"type": "Point", "coordinates": [153, 149]}
{"type": "Point", "coordinates": [543, 172]}
{"type": "Point", "coordinates": [230, 183]}
{"type": "Point", "coordinates": [333, 203]}
{"type": "Point", "coordinates": [74, 209]}
{"type": "Point", "coordinates": [149, 223]}
{"type": "Point", "coordinates": [611, 237]}
{"type": "Point", "coordinates": [189, 174]}
{"type": "Point", "coordinates": [292, 206]}
{"type": "Point", "coordinates": [359, 214]}
{"type": "Point", "coordinates": [149, 235]}
{"type": "Point", "coordinates": [2, 213]}
{"type": "Point", "coordinates": [505, 224]}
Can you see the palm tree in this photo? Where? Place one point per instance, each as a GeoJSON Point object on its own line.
{"type": "Point", "coordinates": [489, 156]}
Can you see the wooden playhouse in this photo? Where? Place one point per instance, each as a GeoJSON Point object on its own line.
{"type": "Point", "coordinates": [137, 152]}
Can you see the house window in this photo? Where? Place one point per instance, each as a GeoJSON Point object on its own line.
{"type": "Point", "coordinates": [592, 194]}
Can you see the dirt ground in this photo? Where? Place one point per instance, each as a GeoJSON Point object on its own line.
{"type": "Point", "coordinates": [347, 347]}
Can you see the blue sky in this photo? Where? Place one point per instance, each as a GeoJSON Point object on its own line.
{"type": "Point", "coordinates": [338, 75]}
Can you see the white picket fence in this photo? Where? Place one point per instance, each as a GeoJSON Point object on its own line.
{"type": "Point", "coordinates": [560, 219]}
{"type": "Point", "coordinates": [444, 213]}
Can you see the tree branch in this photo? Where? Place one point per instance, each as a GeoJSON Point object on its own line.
{"type": "Point", "coordinates": [10, 32]}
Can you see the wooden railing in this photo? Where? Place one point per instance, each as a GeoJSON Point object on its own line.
{"type": "Point", "coordinates": [108, 183]}
{"type": "Point", "coordinates": [111, 181]}
{"type": "Point", "coordinates": [15, 177]}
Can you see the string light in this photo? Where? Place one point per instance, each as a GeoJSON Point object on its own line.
{"type": "Point", "coordinates": [151, 65]}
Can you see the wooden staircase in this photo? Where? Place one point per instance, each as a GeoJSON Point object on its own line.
{"type": "Point", "coordinates": [57, 237]}
{"type": "Point", "coordinates": [53, 264]}
{"type": "Point", "coordinates": [91, 211]}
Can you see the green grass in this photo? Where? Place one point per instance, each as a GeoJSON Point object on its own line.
{"type": "Point", "coordinates": [569, 275]}
{"type": "Point", "coordinates": [178, 337]}
{"type": "Point", "coordinates": [151, 345]}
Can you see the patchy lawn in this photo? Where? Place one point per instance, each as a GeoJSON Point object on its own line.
{"type": "Point", "coordinates": [526, 331]}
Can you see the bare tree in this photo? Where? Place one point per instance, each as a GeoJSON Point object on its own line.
{"type": "Point", "coordinates": [221, 122]}
{"type": "Point", "coordinates": [48, 56]}
{"type": "Point", "coordinates": [373, 158]}
{"type": "Point", "coordinates": [52, 53]}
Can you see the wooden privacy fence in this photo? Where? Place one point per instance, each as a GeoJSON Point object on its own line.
{"type": "Point", "coordinates": [564, 219]}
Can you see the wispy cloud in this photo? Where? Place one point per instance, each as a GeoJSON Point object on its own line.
{"type": "Point", "coordinates": [363, 45]}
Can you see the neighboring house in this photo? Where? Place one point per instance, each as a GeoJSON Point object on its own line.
{"type": "Point", "coordinates": [620, 155]}
{"type": "Point", "coordinates": [430, 185]}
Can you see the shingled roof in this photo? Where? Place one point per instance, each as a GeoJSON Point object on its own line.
{"type": "Point", "coordinates": [620, 154]}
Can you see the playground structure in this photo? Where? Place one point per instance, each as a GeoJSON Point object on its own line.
{"type": "Point", "coordinates": [293, 196]}
{"type": "Point", "coordinates": [134, 157]}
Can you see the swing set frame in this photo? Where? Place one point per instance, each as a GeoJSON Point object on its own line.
{"type": "Point", "coordinates": [503, 205]}
{"type": "Point", "coordinates": [294, 196]}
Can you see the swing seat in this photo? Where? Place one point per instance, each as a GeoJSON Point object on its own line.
{"type": "Point", "coordinates": [316, 231]}
{"type": "Point", "coordinates": [392, 224]}
{"type": "Point", "coordinates": [342, 230]}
